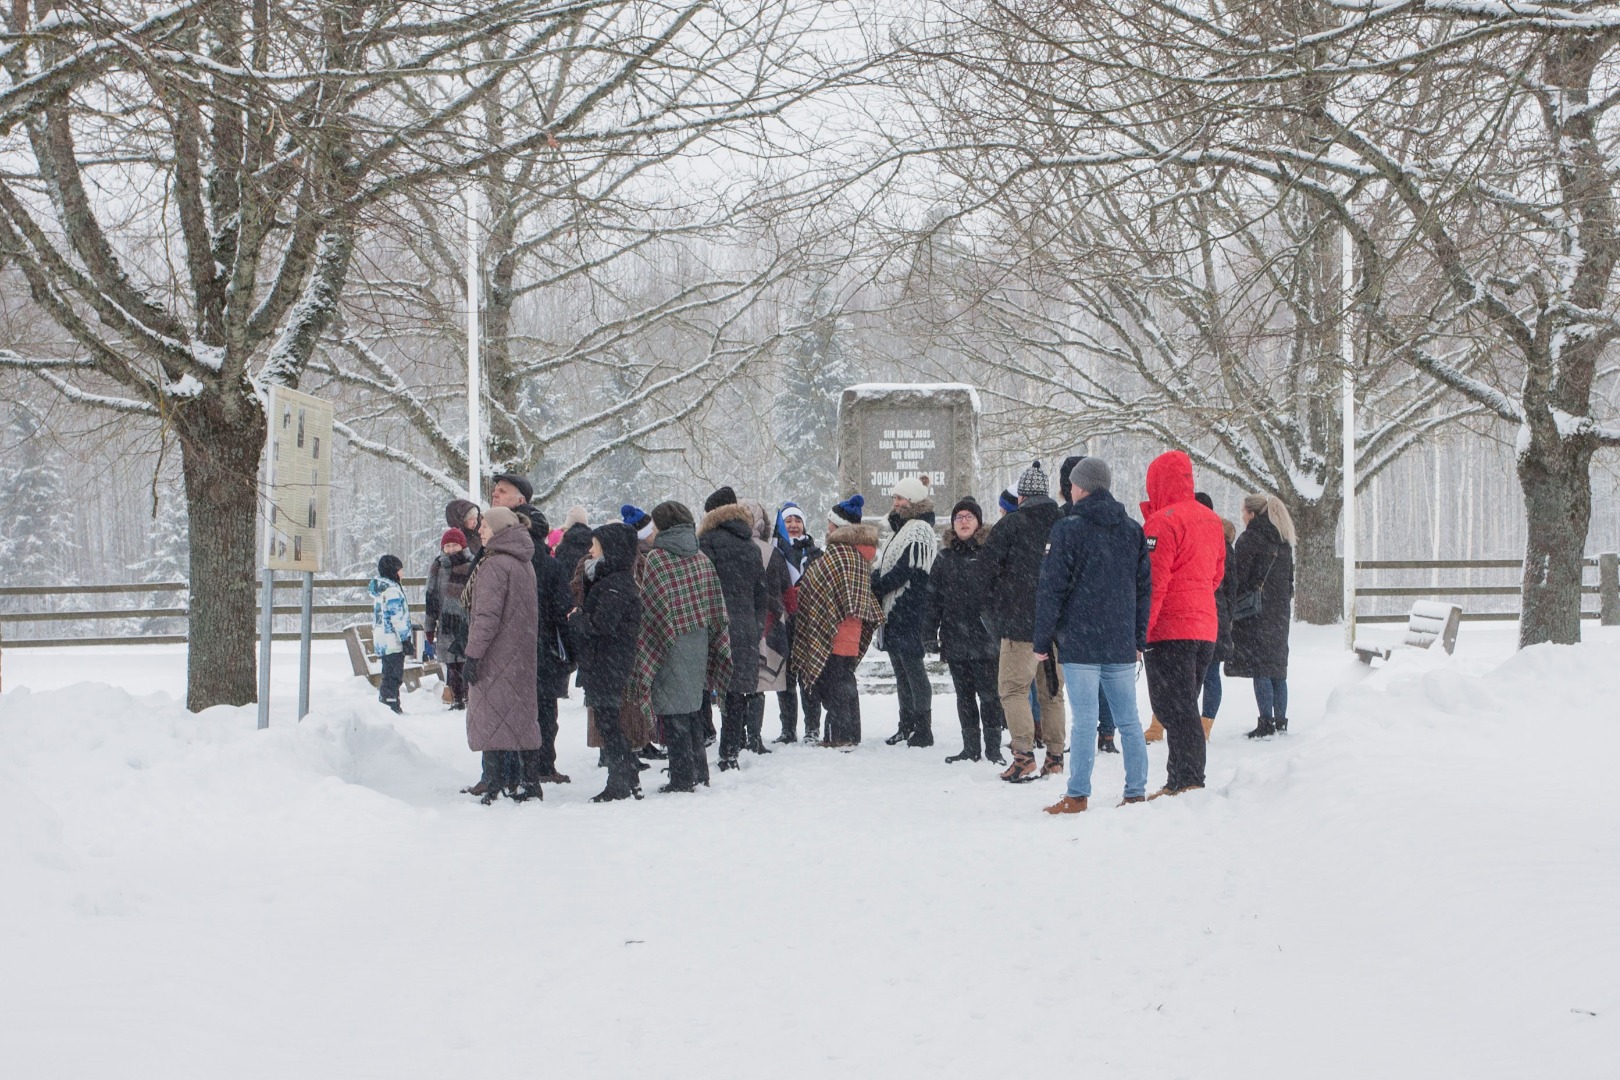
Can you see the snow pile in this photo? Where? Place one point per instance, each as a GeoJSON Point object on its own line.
{"type": "Point", "coordinates": [1420, 880]}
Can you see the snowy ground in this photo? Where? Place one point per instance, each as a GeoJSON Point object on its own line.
{"type": "Point", "coordinates": [1421, 881]}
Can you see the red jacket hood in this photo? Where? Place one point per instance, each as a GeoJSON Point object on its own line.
{"type": "Point", "coordinates": [1169, 481]}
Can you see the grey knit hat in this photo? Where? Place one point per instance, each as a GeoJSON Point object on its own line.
{"type": "Point", "coordinates": [1033, 481]}
{"type": "Point", "coordinates": [1091, 474]}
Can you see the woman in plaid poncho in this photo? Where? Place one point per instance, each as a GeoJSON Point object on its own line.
{"type": "Point", "coordinates": [838, 614]}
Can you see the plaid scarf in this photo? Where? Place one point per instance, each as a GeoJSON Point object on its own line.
{"type": "Point", "coordinates": [835, 587]}
{"type": "Point", "coordinates": [679, 594]}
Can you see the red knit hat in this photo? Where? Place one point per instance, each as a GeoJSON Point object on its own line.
{"type": "Point", "coordinates": [452, 536]}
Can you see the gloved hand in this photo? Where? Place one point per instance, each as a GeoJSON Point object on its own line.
{"type": "Point", "coordinates": [469, 671]}
{"type": "Point", "coordinates": [428, 652]}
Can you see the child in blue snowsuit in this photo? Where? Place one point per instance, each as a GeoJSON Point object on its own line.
{"type": "Point", "coordinates": [390, 627]}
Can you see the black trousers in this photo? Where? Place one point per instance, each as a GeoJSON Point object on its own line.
{"type": "Point", "coordinates": [733, 724]}
{"type": "Point", "coordinates": [788, 704]}
{"type": "Point", "coordinates": [543, 762]}
{"type": "Point", "coordinates": [1175, 674]}
{"type": "Point", "coordinates": [393, 672]}
{"type": "Point", "coordinates": [978, 703]}
{"type": "Point", "coordinates": [688, 761]}
{"type": "Point", "coordinates": [841, 699]}
{"type": "Point", "coordinates": [916, 696]}
{"type": "Point", "coordinates": [623, 776]}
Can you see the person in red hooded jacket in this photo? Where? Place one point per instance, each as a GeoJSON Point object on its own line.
{"type": "Point", "coordinates": [1187, 547]}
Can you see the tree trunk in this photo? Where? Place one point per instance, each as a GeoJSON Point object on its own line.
{"type": "Point", "coordinates": [220, 449]}
{"type": "Point", "coordinates": [1318, 569]}
{"type": "Point", "coordinates": [1555, 477]}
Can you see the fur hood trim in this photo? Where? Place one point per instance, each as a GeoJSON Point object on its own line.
{"type": "Point", "coordinates": [917, 509]}
{"type": "Point", "coordinates": [722, 514]}
{"type": "Point", "coordinates": [854, 535]}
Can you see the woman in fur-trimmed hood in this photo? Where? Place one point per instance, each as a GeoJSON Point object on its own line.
{"type": "Point", "coordinates": [726, 536]}
{"type": "Point", "coordinates": [901, 584]}
{"type": "Point", "coordinates": [837, 617]}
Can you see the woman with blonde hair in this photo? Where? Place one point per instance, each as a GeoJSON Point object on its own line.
{"type": "Point", "coordinates": [1260, 579]}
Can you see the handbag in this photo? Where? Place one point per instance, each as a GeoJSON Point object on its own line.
{"type": "Point", "coordinates": [1250, 603]}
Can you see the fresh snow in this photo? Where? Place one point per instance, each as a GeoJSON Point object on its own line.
{"type": "Point", "coordinates": [1416, 882]}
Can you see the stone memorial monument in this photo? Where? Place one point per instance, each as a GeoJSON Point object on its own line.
{"type": "Point", "coordinates": [891, 430]}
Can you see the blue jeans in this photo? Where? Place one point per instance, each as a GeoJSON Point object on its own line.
{"type": "Point", "coordinates": [1118, 683]}
{"type": "Point", "coordinates": [1105, 715]}
{"type": "Point", "coordinates": [1212, 689]}
{"type": "Point", "coordinates": [1271, 695]}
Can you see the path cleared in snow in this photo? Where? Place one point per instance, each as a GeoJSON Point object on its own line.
{"type": "Point", "coordinates": [1420, 881]}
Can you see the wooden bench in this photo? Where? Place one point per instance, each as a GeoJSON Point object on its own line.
{"type": "Point", "coordinates": [1430, 621]}
{"type": "Point", "coordinates": [368, 665]}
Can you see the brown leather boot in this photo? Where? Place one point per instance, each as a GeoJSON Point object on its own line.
{"type": "Point", "coordinates": [1067, 805]}
{"type": "Point", "coordinates": [1209, 725]}
{"type": "Point", "coordinates": [1053, 765]}
{"type": "Point", "coordinates": [1022, 770]}
{"type": "Point", "coordinates": [1127, 800]}
{"type": "Point", "coordinates": [1154, 732]}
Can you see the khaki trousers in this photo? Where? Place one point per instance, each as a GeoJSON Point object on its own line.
{"type": "Point", "coordinates": [1018, 668]}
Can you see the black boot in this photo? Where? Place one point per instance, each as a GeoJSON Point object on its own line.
{"type": "Point", "coordinates": [754, 742]}
{"type": "Point", "coordinates": [652, 751]}
{"type": "Point", "coordinates": [1281, 725]}
{"type": "Point", "coordinates": [1265, 727]}
{"type": "Point", "coordinates": [610, 794]}
{"type": "Point", "coordinates": [1105, 743]}
{"type": "Point", "coordinates": [970, 748]}
{"type": "Point", "coordinates": [992, 745]}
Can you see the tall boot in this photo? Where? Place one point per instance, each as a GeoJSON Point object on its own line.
{"type": "Point", "coordinates": [992, 744]}
{"type": "Point", "coordinates": [1154, 732]}
{"type": "Point", "coordinates": [970, 745]}
{"type": "Point", "coordinates": [1209, 725]}
{"type": "Point", "coordinates": [756, 725]}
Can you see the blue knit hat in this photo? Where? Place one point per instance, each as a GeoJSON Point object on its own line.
{"type": "Point", "coordinates": [850, 509]}
{"type": "Point", "coordinates": [638, 519]}
{"type": "Point", "coordinates": [1008, 501]}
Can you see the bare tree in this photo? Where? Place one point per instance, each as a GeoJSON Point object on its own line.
{"type": "Point", "coordinates": [632, 267]}
{"type": "Point", "coordinates": [1458, 143]}
{"type": "Point", "coordinates": [187, 184]}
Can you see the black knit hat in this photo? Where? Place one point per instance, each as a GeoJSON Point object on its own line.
{"type": "Point", "coordinates": [723, 497]}
{"type": "Point", "coordinates": [1033, 481]}
{"type": "Point", "coordinates": [971, 505]}
{"type": "Point", "coordinates": [389, 567]}
{"type": "Point", "coordinates": [517, 481]}
{"type": "Point", "coordinates": [1063, 474]}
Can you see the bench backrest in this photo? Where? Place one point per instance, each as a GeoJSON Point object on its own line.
{"type": "Point", "coordinates": [358, 638]}
{"type": "Point", "coordinates": [1433, 621]}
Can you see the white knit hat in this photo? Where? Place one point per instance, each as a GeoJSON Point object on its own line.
{"type": "Point", "coordinates": [911, 489]}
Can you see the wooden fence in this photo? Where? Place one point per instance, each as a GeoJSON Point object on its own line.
{"type": "Point", "coordinates": [413, 588]}
{"type": "Point", "coordinates": [1603, 570]}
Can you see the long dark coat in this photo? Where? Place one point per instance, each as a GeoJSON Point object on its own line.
{"type": "Point", "coordinates": [606, 627]}
{"type": "Point", "coordinates": [574, 546]}
{"type": "Point", "coordinates": [554, 601]}
{"type": "Point", "coordinates": [1260, 644]}
{"type": "Point", "coordinates": [727, 538]}
{"type": "Point", "coordinates": [445, 613]}
{"type": "Point", "coordinates": [502, 705]}
{"type": "Point", "coordinates": [956, 601]}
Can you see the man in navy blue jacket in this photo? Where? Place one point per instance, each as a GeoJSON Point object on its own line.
{"type": "Point", "coordinates": [1093, 601]}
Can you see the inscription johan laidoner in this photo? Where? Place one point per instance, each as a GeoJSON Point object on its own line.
{"type": "Point", "coordinates": [892, 430]}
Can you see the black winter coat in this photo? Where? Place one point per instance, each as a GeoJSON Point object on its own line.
{"type": "Point", "coordinates": [574, 546]}
{"type": "Point", "coordinates": [1013, 566]}
{"type": "Point", "coordinates": [727, 538]}
{"type": "Point", "coordinates": [957, 597]}
{"type": "Point", "coordinates": [1260, 644]}
{"type": "Point", "coordinates": [1096, 586]}
{"type": "Point", "coordinates": [605, 629]}
{"type": "Point", "coordinates": [551, 583]}
{"type": "Point", "coordinates": [445, 613]}
{"type": "Point", "coordinates": [1223, 612]}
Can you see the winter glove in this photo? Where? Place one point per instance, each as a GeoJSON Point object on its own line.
{"type": "Point", "coordinates": [428, 652]}
{"type": "Point", "coordinates": [469, 671]}
{"type": "Point", "coordinates": [408, 646]}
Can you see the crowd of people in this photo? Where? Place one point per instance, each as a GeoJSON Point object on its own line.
{"type": "Point", "coordinates": [665, 618]}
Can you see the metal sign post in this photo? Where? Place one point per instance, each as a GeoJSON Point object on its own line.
{"type": "Point", "coordinates": [1347, 513]}
{"type": "Point", "coordinates": [298, 476]}
{"type": "Point", "coordinates": [475, 376]}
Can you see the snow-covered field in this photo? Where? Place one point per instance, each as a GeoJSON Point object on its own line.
{"type": "Point", "coordinates": [1423, 880]}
